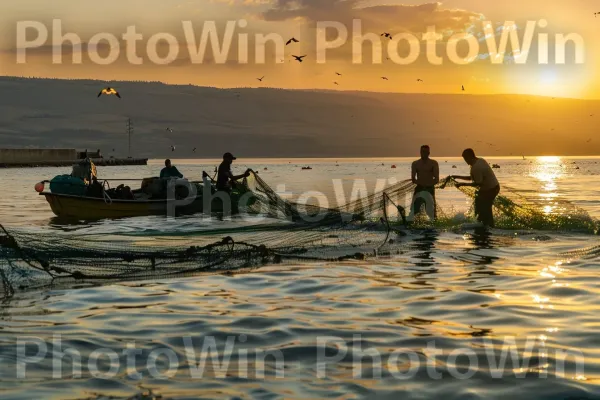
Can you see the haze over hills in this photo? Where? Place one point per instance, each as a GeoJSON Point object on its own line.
{"type": "Point", "coordinates": [270, 122]}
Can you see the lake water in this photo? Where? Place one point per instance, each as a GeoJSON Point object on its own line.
{"type": "Point", "coordinates": [442, 319]}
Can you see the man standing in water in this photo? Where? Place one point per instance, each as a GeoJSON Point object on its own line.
{"type": "Point", "coordinates": [484, 179]}
{"type": "Point", "coordinates": [425, 173]}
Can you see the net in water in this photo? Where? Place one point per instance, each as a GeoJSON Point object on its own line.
{"type": "Point", "coordinates": [288, 231]}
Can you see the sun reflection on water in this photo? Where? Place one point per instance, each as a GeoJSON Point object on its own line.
{"type": "Point", "coordinates": [548, 170]}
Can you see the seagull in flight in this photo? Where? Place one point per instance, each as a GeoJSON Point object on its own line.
{"type": "Point", "coordinates": [194, 149]}
{"type": "Point", "coordinates": [172, 148]}
{"type": "Point", "coordinates": [260, 79]}
{"type": "Point", "coordinates": [387, 35]}
{"type": "Point", "coordinates": [292, 40]}
{"type": "Point", "coordinates": [338, 74]}
{"type": "Point", "coordinates": [109, 91]}
{"type": "Point", "coordinates": [299, 58]}
{"type": "Point", "coordinates": [335, 83]}
{"type": "Point", "coordinates": [384, 78]}
{"type": "Point", "coordinates": [419, 80]}
{"type": "Point", "coordinates": [170, 130]}
{"type": "Point", "coordinates": [463, 88]}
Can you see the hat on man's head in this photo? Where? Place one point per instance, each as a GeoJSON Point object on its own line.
{"type": "Point", "coordinates": [229, 156]}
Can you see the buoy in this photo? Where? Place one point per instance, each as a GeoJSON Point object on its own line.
{"type": "Point", "coordinates": [39, 187]}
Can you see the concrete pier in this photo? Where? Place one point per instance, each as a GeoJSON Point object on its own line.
{"type": "Point", "coordinates": [23, 158]}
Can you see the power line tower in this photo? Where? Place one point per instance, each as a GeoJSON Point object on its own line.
{"type": "Point", "coordinates": [129, 133]}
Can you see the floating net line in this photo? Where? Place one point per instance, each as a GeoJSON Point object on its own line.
{"type": "Point", "coordinates": [369, 226]}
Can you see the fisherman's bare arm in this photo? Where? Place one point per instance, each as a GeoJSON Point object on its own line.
{"type": "Point", "coordinates": [436, 173]}
{"type": "Point", "coordinates": [244, 175]}
{"type": "Point", "coordinates": [413, 173]}
{"type": "Point", "coordinates": [461, 178]}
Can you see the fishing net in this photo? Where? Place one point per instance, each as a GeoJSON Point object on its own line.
{"type": "Point", "coordinates": [286, 231]}
{"type": "Point", "coordinates": [514, 210]}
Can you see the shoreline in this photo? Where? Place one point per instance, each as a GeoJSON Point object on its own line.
{"type": "Point", "coordinates": [101, 162]}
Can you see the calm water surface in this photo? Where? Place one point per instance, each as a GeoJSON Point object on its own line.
{"type": "Point", "coordinates": [325, 330]}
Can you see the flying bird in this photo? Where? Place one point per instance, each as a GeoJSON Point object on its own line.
{"type": "Point", "coordinates": [463, 88]}
{"type": "Point", "coordinates": [260, 79]}
{"type": "Point", "coordinates": [387, 35]}
{"type": "Point", "coordinates": [338, 74]}
{"type": "Point", "coordinates": [109, 91]}
{"type": "Point", "coordinates": [596, 14]}
{"type": "Point", "coordinates": [194, 149]}
{"type": "Point", "coordinates": [170, 130]}
{"type": "Point", "coordinates": [299, 58]}
{"type": "Point", "coordinates": [384, 78]}
{"type": "Point", "coordinates": [172, 148]}
{"type": "Point", "coordinates": [335, 83]}
{"type": "Point", "coordinates": [292, 40]}
{"type": "Point", "coordinates": [419, 80]}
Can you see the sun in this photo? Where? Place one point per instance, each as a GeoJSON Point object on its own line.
{"type": "Point", "coordinates": [548, 78]}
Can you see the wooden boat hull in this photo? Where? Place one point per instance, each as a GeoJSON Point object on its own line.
{"type": "Point", "coordinates": [91, 208]}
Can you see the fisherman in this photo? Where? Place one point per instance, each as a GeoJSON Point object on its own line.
{"type": "Point", "coordinates": [169, 171]}
{"type": "Point", "coordinates": [483, 178]}
{"type": "Point", "coordinates": [225, 178]}
{"type": "Point", "coordinates": [425, 173]}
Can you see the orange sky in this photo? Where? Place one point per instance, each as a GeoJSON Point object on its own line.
{"type": "Point", "coordinates": [298, 18]}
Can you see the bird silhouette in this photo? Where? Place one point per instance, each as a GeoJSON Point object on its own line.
{"type": "Point", "coordinates": [335, 83]}
{"type": "Point", "coordinates": [260, 79]}
{"type": "Point", "coordinates": [384, 78]}
{"type": "Point", "coordinates": [170, 130]}
{"type": "Point", "coordinates": [172, 148]}
{"type": "Point", "coordinates": [292, 40]}
{"type": "Point", "coordinates": [596, 14]}
{"type": "Point", "coordinates": [109, 91]}
{"type": "Point", "coordinates": [299, 58]}
{"type": "Point", "coordinates": [419, 80]}
{"type": "Point", "coordinates": [338, 74]}
{"type": "Point", "coordinates": [463, 88]}
{"type": "Point", "coordinates": [194, 149]}
{"type": "Point", "coordinates": [387, 35]}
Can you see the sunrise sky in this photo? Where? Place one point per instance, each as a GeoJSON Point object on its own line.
{"type": "Point", "coordinates": [298, 18]}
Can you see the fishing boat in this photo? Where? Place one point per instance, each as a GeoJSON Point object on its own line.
{"type": "Point", "coordinates": [71, 196]}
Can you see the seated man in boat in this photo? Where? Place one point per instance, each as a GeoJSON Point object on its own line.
{"type": "Point", "coordinates": [169, 171]}
{"type": "Point", "coordinates": [225, 178]}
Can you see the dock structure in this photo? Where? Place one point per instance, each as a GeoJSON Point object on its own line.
{"type": "Point", "coordinates": [31, 157]}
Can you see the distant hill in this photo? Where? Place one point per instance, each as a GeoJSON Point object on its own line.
{"type": "Point", "coordinates": [288, 123]}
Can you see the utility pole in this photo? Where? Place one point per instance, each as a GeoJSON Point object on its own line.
{"type": "Point", "coordinates": [129, 132]}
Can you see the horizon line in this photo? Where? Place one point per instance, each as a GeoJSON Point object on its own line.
{"type": "Point", "coordinates": [2, 76]}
